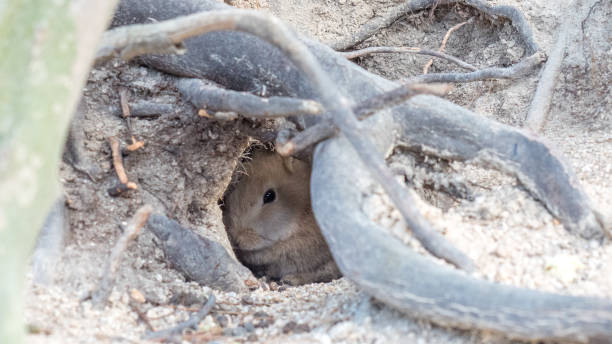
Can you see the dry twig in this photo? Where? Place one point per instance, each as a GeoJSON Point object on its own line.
{"type": "Point", "coordinates": [191, 323]}
{"type": "Point", "coordinates": [394, 13]}
{"type": "Point", "coordinates": [444, 40]}
{"type": "Point", "coordinates": [397, 96]}
{"type": "Point", "coordinates": [414, 50]}
{"type": "Point", "coordinates": [534, 55]}
{"type": "Point", "coordinates": [118, 160]}
{"type": "Point", "coordinates": [309, 137]}
{"type": "Point", "coordinates": [515, 71]}
{"type": "Point", "coordinates": [125, 184]}
{"type": "Point", "coordinates": [134, 146]}
{"type": "Point", "coordinates": [540, 105]}
{"type": "Point", "coordinates": [141, 315]}
{"type": "Point", "coordinates": [207, 96]}
{"type": "Point", "coordinates": [143, 109]}
{"type": "Point", "coordinates": [326, 128]}
{"type": "Point", "coordinates": [100, 295]}
{"type": "Point", "coordinates": [373, 26]}
{"type": "Point", "coordinates": [125, 107]}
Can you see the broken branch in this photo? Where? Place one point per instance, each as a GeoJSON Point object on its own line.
{"type": "Point", "coordinates": [207, 96]}
{"type": "Point", "coordinates": [310, 136]}
{"type": "Point", "coordinates": [444, 40]}
{"type": "Point", "coordinates": [118, 160]}
{"type": "Point", "coordinates": [125, 107]}
{"type": "Point", "coordinates": [134, 146]}
{"type": "Point", "coordinates": [326, 128]}
{"type": "Point", "coordinates": [124, 183]}
{"type": "Point", "coordinates": [101, 294]}
{"type": "Point", "coordinates": [143, 109]}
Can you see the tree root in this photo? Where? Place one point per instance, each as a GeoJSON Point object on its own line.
{"type": "Point", "coordinates": [382, 266]}
{"type": "Point", "coordinates": [394, 13]}
{"type": "Point", "coordinates": [129, 40]}
{"type": "Point", "coordinates": [206, 96]}
{"type": "Point", "coordinates": [534, 54]}
{"type": "Point", "coordinates": [378, 263]}
{"type": "Point", "coordinates": [413, 50]}
{"type": "Point", "coordinates": [177, 331]}
{"type": "Point", "coordinates": [526, 66]}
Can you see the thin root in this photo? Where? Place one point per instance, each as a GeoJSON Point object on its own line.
{"type": "Point", "coordinates": [101, 294]}
{"type": "Point", "coordinates": [191, 323]}
{"type": "Point", "coordinates": [444, 40]}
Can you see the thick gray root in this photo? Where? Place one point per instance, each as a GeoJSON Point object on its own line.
{"type": "Point", "coordinates": [385, 268]}
{"type": "Point", "coordinates": [450, 131]}
{"type": "Point", "coordinates": [199, 259]}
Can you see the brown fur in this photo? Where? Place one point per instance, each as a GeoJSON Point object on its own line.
{"type": "Point", "coordinates": [280, 239]}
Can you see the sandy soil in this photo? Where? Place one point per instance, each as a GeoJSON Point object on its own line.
{"type": "Point", "coordinates": [188, 161]}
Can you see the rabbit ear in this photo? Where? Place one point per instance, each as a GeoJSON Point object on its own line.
{"type": "Point", "coordinates": [288, 163]}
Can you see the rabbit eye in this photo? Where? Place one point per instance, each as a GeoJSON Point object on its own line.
{"type": "Point", "coordinates": [269, 196]}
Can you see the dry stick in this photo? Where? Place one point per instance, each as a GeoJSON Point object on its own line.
{"type": "Point", "coordinates": [130, 40]}
{"type": "Point", "coordinates": [124, 184]}
{"type": "Point", "coordinates": [535, 55]}
{"type": "Point", "coordinates": [191, 323]}
{"type": "Point", "coordinates": [444, 40]}
{"type": "Point", "coordinates": [397, 96]}
{"type": "Point", "coordinates": [119, 189]}
{"type": "Point", "coordinates": [143, 109]}
{"type": "Point", "coordinates": [207, 96]}
{"type": "Point", "coordinates": [414, 50]}
{"type": "Point", "coordinates": [302, 140]}
{"type": "Point", "coordinates": [125, 107]}
{"type": "Point", "coordinates": [326, 128]}
{"type": "Point", "coordinates": [431, 11]}
{"type": "Point", "coordinates": [513, 72]}
{"type": "Point", "coordinates": [540, 105]}
{"type": "Point", "coordinates": [201, 94]}
{"type": "Point", "coordinates": [101, 294]}
{"type": "Point", "coordinates": [118, 160]}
